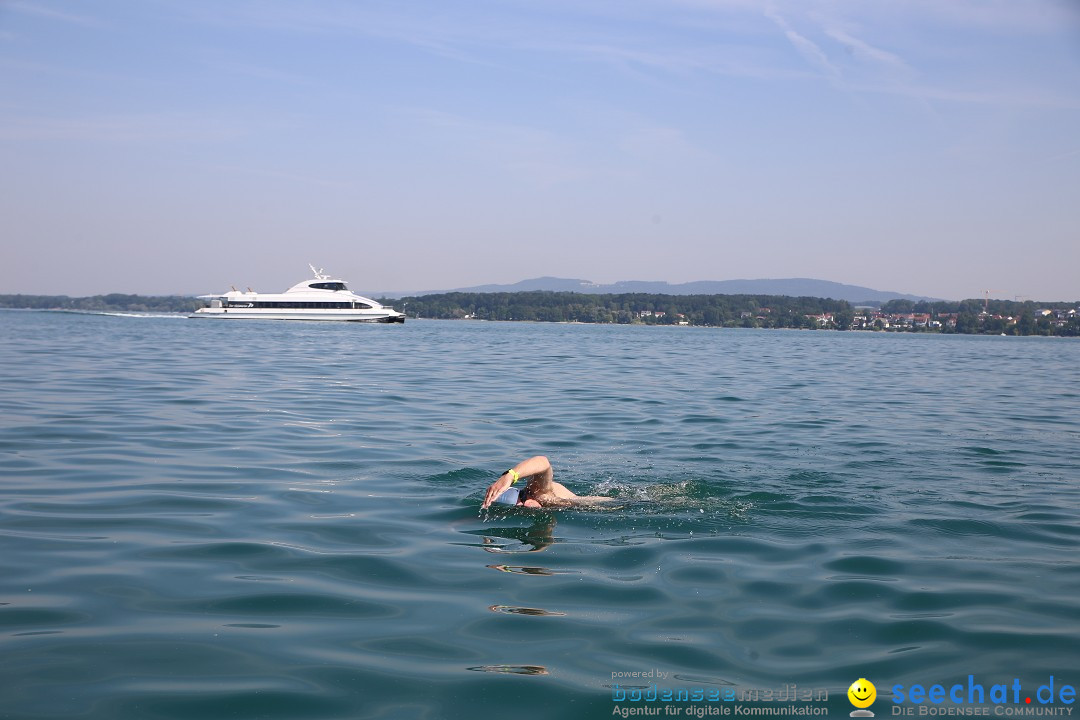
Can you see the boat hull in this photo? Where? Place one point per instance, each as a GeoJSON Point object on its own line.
{"type": "Point", "coordinates": [310, 315]}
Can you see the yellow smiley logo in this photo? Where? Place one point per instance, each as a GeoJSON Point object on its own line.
{"type": "Point", "coordinates": [862, 693]}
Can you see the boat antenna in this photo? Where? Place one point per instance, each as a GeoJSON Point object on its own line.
{"type": "Point", "coordinates": [319, 274]}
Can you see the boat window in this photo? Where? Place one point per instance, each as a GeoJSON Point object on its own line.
{"type": "Point", "coordinates": [292, 305]}
{"type": "Point", "coordinates": [361, 306]}
{"type": "Point", "coordinates": [328, 285]}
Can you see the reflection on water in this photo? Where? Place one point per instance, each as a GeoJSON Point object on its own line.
{"type": "Point", "coordinates": [524, 611]}
{"type": "Point", "coordinates": [522, 569]}
{"type": "Point", "coordinates": [537, 536]}
{"type": "Point", "coordinates": [512, 669]}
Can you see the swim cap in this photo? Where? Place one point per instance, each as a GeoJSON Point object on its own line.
{"type": "Point", "coordinates": [509, 497]}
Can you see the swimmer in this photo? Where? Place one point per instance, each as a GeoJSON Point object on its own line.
{"type": "Point", "coordinates": [540, 489]}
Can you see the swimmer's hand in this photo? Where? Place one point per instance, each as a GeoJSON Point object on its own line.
{"type": "Point", "coordinates": [497, 488]}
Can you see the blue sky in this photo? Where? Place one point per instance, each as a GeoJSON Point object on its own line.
{"type": "Point", "coordinates": [161, 146]}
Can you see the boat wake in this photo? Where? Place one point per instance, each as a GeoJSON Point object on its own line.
{"type": "Point", "coordinates": [180, 316]}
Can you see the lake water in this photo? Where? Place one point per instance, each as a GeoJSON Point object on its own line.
{"type": "Point", "coordinates": [205, 519]}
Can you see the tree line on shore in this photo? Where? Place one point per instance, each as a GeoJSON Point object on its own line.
{"type": "Point", "coordinates": [113, 302]}
{"type": "Point", "coordinates": [752, 311]}
{"type": "Point", "coordinates": [628, 308]}
{"type": "Point", "coordinates": [994, 317]}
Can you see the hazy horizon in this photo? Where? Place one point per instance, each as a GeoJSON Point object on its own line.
{"type": "Point", "coordinates": [399, 293]}
{"type": "Point", "coordinates": [182, 147]}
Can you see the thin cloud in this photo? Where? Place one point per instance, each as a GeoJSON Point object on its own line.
{"type": "Point", "coordinates": [864, 49]}
{"type": "Point", "coordinates": [811, 52]}
{"type": "Point", "coordinates": [1041, 17]}
{"type": "Point", "coordinates": [52, 14]}
{"type": "Point", "coordinates": [805, 46]}
{"type": "Point", "coordinates": [439, 35]}
{"type": "Point", "coordinates": [680, 60]}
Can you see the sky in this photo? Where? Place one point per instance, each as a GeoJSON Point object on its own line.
{"type": "Point", "coordinates": [182, 146]}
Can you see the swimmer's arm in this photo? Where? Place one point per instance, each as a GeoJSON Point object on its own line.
{"type": "Point", "coordinates": [529, 470]}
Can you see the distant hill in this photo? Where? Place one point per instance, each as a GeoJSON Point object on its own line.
{"type": "Point", "coordinates": [794, 287]}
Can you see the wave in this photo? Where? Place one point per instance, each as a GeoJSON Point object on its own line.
{"type": "Point", "coordinates": [109, 313]}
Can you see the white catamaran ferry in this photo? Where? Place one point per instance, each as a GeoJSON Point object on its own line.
{"type": "Point", "coordinates": [324, 298]}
